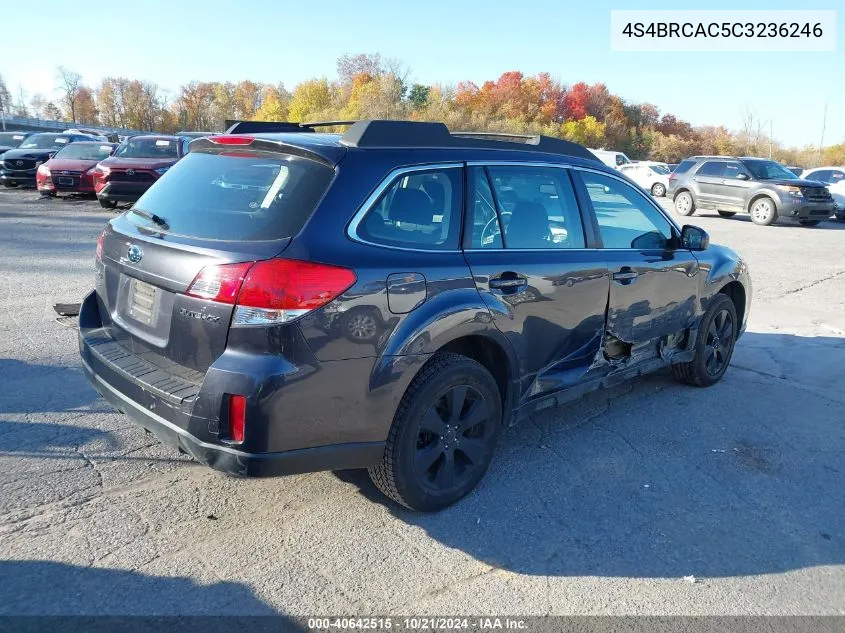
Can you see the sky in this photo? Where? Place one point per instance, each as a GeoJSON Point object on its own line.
{"type": "Point", "coordinates": [175, 41]}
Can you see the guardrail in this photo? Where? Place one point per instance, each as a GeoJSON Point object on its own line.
{"type": "Point", "coordinates": [46, 125]}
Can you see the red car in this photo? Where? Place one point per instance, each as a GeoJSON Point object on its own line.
{"type": "Point", "coordinates": [135, 166]}
{"type": "Point", "coordinates": [70, 169]}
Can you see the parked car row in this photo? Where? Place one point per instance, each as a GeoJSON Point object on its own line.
{"type": "Point", "coordinates": [77, 162]}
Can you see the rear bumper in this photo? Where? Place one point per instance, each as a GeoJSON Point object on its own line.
{"type": "Point", "coordinates": [292, 427]}
{"type": "Point", "coordinates": [229, 459]}
{"type": "Point", "coordinates": [123, 191]}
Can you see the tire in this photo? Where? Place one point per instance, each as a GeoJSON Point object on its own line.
{"type": "Point", "coordinates": [684, 204]}
{"type": "Point", "coordinates": [428, 463]}
{"type": "Point", "coordinates": [712, 354]}
{"type": "Point", "coordinates": [47, 194]}
{"type": "Point", "coordinates": [763, 211]}
{"type": "Point", "coordinates": [107, 204]}
{"type": "Point", "coordinates": [658, 190]}
{"type": "Point", "coordinates": [727, 214]}
{"type": "Point", "coordinates": [809, 222]}
{"type": "Point", "coordinates": [8, 185]}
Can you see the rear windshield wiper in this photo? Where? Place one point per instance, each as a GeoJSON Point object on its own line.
{"type": "Point", "coordinates": [151, 216]}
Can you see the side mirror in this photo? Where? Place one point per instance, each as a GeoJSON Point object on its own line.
{"type": "Point", "coordinates": [694, 238]}
{"type": "Point", "coordinates": [741, 176]}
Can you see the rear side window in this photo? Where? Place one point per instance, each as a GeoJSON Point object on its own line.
{"type": "Point", "coordinates": [248, 196]}
{"type": "Point", "coordinates": [684, 166]}
{"type": "Point", "coordinates": [712, 168]}
{"type": "Point", "coordinates": [419, 209]}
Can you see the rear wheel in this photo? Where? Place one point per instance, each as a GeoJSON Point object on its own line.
{"type": "Point", "coordinates": [684, 204]}
{"type": "Point", "coordinates": [809, 222]}
{"type": "Point", "coordinates": [47, 194]}
{"type": "Point", "coordinates": [443, 435]}
{"type": "Point", "coordinates": [9, 185]}
{"type": "Point", "coordinates": [714, 345]}
{"type": "Point", "coordinates": [727, 214]}
{"type": "Point", "coordinates": [108, 204]}
{"type": "Point", "coordinates": [763, 212]}
{"type": "Point", "coordinates": [658, 190]}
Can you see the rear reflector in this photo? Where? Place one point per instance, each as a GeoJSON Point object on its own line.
{"type": "Point", "coordinates": [228, 139]}
{"type": "Point", "coordinates": [272, 291]}
{"type": "Point", "coordinates": [237, 417]}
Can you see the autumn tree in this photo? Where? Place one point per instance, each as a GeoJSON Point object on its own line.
{"type": "Point", "coordinates": [309, 98]}
{"type": "Point", "coordinates": [70, 84]}
{"type": "Point", "coordinates": [5, 98]}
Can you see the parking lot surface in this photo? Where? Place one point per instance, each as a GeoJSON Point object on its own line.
{"type": "Point", "coordinates": [651, 498]}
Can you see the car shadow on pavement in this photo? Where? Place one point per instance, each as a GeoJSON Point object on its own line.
{"type": "Point", "coordinates": [45, 588]}
{"type": "Point", "coordinates": [657, 479]}
{"type": "Point", "coordinates": [33, 388]}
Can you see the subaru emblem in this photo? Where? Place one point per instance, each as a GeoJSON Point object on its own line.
{"type": "Point", "coordinates": [135, 253]}
{"type": "Point", "coordinates": [130, 172]}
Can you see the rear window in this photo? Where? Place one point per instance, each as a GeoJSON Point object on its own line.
{"type": "Point", "coordinates": [684, 166]}
{"type": "Point", "coordinates": [247, 196]}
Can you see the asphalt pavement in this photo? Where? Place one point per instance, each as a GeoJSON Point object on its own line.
{"type": "Point", "coordinates": [651, 498]}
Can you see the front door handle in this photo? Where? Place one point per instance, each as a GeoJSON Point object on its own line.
{"type": "Point", "coordinates": [625, 275]}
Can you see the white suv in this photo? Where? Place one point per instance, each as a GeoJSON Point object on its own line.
{"type": "Point", "coordinates": [651, 176]}
{"type": "Point", "coordinates": [834, 178]}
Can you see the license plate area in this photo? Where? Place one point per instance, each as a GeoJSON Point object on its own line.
{"type": "Point", "coordinates": [143, 301]}
{"type": "Point", "coordinates": [64, 180]}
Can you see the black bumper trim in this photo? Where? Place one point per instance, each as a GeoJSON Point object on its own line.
{"type": "Point", "coordinates": [229, 459]}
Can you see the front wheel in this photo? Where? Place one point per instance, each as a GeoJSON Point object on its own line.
{"type": "Point", "coordinates": [763, 212]}
{"type": "Point", "coordinates": [684, 204]}
{"type": "Point", "coordinates": [714, 345]}
{"type": "Point", "coordinates": [47, 194]}
{"type": "Point", "coordinates": [727, 214]}
{"type": "Point", "coordinates": [443, 435]}
{"type": "Point", "coordinates": [107, 204]}
{"type": "Point", "coordinates": [658, 190]}
{"type": "Point", "coordinates": [809, 222]}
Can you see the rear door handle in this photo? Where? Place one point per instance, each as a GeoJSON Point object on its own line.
{"type": "Point", "coordinates": [508, 283]}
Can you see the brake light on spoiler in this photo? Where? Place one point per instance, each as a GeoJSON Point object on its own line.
{"type": "Point", "coordinates": [272, 291]}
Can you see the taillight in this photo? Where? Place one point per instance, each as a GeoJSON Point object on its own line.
{"type": "Point", "coordinates": [237, 417]}
{"type": "Point", "coordinates": [272, 291]}
{"type": "Point", "coordinates": [281, 290]}
{"type": "Point", "coordinates": [100, 241]}
{"type": "Point", "coordinates": [672, 176]}
{"type": "Point", "coordinates": [219, 283]}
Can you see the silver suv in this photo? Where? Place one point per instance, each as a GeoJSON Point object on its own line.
{"type": "Point", "coordinates": [763, 188]}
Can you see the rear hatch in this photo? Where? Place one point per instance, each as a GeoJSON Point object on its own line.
{"type": "Point", "coordinates": [218, 206]}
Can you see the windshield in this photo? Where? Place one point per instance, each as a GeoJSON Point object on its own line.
{"type": "Point", "coordinates": [45, 141]}
{"type": "Point", "coordinates": [11, 139]}
{"type": "Point", "coordinates": [768, 170]}
{"type": "Point", "coordinates": [244, 196]}
{"type": "Point", "coordinates": [85, 151]}
{"type": "Point", "coordinates": [149, 148]}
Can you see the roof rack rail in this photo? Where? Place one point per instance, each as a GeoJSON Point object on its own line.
{"type": "Point", "coordinates": [327, 123]}
{"type": "Point", "coordinates": [395, 134]}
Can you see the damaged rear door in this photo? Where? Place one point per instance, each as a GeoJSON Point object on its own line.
{"type": "Point", "coordinates": [654, 285]}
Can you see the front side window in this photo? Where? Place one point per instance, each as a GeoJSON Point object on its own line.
{"type": "Point", "coordinates": [625, 218]}
{"type": "Point", "coordinates": [537, 207]}
{"type": "Point", "coordinates": [419, 209]}
{"type": "Point", "coordinates": [733, 170]}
